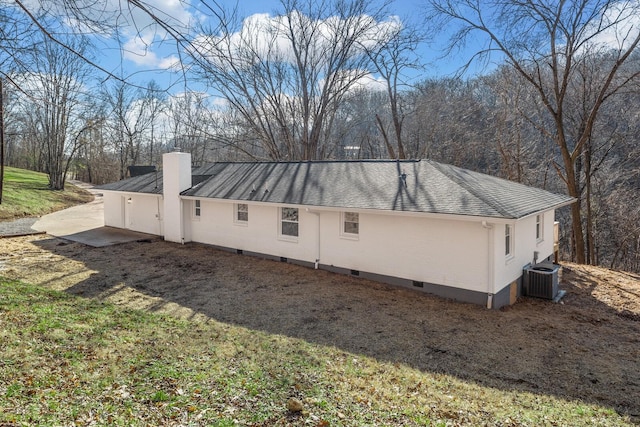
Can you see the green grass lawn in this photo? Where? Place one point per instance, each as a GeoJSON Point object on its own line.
{"type": "Point", "coordinates": [66, 360]}
{"type": "Point", "coordinates": [26, 193]}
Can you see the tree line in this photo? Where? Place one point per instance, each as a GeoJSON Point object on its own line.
{"type": "Point", "coordinates": [556, 108]}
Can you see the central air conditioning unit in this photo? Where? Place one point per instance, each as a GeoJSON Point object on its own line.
{"type": "Point", "coordinates": [541, 280]}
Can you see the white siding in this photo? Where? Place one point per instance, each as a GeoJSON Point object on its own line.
{"type": "Point", "coordinates": [509, 269]}
{"type": "Point", "coordinates": [134, 211]}
{"type": "Point", "coordinates": [113, 214]}
{"type": "Point", "coordinates": [445, 252]}
{"type": "Point", "coordinates": [216, 226]}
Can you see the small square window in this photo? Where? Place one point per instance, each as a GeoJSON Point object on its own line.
{"type": "Point", "coordinates": [289, 222]}
{"type": "Point", "coordinates": [351, 223]}
{"type": "Point", "coordinates": [242, 212]}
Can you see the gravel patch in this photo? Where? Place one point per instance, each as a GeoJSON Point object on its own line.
{"type": "Point", "coordinates": [18, 227]}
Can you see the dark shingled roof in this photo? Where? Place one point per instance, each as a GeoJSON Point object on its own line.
{"type": "Point", "coordinates": [149, 183]}
{"type": "Point", "coordinates": [137, 170]}
{"type": "Point", "coordinates": [406, 185]}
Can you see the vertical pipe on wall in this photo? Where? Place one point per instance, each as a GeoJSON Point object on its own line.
{"type": "Point", "coordinates": [182, 220]}
{"type": "Point", "coordinates": [490, 263]}
{"type": "Point", "coordinates": [317, 214]}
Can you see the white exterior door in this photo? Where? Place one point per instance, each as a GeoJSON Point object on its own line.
{"type": "Point", "coordinates": [126, 212]}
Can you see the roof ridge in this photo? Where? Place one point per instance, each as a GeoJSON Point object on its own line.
{"type": "Point", "coordinates": [319, 161]}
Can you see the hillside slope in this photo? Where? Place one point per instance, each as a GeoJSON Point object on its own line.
{"type": "Point", "coordinates": [593, 287]}
{"type": "Point", "coordinates": [572, 363]}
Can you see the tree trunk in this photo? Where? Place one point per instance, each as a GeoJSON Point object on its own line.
{"type": "Point", "coordinates": [385, 137]}
{"type": "Point", "coordinates": [576, 226]}
{"type": "Point", "coordinates": [572, 181]}
{"type": "Point", "coordinates": [590, 237]}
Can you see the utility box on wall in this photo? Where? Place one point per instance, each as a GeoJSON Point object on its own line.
{"type": "Point", "coordinates": [541, 280]}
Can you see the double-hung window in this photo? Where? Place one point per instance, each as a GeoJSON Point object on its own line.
{"type": "Point", "coordinates": [289, 222]}
{"type": "Point", "coordinates": [196, 209]}
{"type": "Point", "coordinates": [241, 213]}
{"type": "Point", "coordinates": [350, 224]}
{"type": "Point", "coordinates": [539, 229]}
{"type": "Point", "coordinates": [508, 240]}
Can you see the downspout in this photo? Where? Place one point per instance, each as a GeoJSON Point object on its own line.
{"type": "Point", "coordinates": [317, 214]}
{"type": "Point", "coordinates": [159, 217]}
{"type": "Point", "coordinates": [490, 259]}
{"type": "Point", "coordinates": [181, 220]}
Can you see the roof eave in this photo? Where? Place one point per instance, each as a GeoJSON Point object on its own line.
{"type": "Point", "coordinates": [552, 207]}
{"type": "Point", "coordinates": [148, 193]}
{"type": "Point", "coordinates": [438, 215]}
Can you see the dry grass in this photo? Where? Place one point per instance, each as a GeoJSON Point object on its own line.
{"type": "Point", "coordinates": [535, 363]}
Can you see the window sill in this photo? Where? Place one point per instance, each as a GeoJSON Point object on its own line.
{"type": "Point", "coordinates": [290, 239]}
{"type": "Point", "coordinates": [347, 236]}
{"type": "Point", "coordinates": [241, 223]}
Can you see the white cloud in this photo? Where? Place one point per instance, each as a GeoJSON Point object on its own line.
{"type": "Point", "coordinates": [371, 82]}
{"type": "Point", "coordinates": [143, 41]}
{"type": "Point", "coordinates": [621, 23]}
{"type": "Point", "coordinates": [268, 36]}
{"type": "Point", "coordinates": [171, 62]}
{"type": "Point", "coordinates": [143, 37]}
{"type": "Point", "coordinates": [144, 50]}
{"type": "Point", "coordinates": [138, 50]}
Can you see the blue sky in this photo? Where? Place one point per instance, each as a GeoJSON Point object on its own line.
{"type": "Point", "coordinates": [145, 60]}
{"type": "Point", "coordinates": [146, 52]}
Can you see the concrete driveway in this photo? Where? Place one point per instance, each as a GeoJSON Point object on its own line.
{"type": "Point", "coordinates": [85, 223]}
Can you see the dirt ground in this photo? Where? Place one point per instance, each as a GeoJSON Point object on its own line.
{"type": "Point", "coordinates": [585, 348]}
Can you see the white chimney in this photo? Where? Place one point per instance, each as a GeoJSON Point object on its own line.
{"type": "Point", "coordinates": [176, 177]}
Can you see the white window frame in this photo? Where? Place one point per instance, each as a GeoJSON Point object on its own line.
{"type": "Point", "coordinates": [344, 220]}
{"type": "Point", "coordinates": [539, 228]}
{"type": "Point", "coordinates": [237, 212]}
{"type": "Point", "coordinates": [509, 239]}
{"type": "Point", "coordinates": [281, 221]}
{"type": "Point", "coordinates": [197, 209]}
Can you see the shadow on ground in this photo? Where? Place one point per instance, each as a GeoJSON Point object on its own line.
{"type": "Point", "coordinates": [583, 349]}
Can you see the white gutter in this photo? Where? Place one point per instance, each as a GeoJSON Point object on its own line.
{"type": "Point", "coordinates": [181, 221]}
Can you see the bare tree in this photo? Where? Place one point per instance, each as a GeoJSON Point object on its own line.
{"type": "Point", "coordinates": [188, 120]}
{"type": "Point", "coordinates": [515, 111]}
{"type": "Point", "coordinates": [95, 162]}
{"type": "Point", "coordinates": [129, 121]}
{"type": "Point", "coordinates": [55, 91]}
{"type": "Point", "coordinates": [18, 35]}
{"type": "Point", "coordinates": [286, 74]}
{"type": "Point", "coordinates": [549, 43]}
{"type": "Point", "coordinates": [391, 59]}
{"type": "Point", "coordinates": [154, 105]}
{"type": "Point", "coordinates": [60, 21]}
{"type": "Point", "coordinates": [449, 122]}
